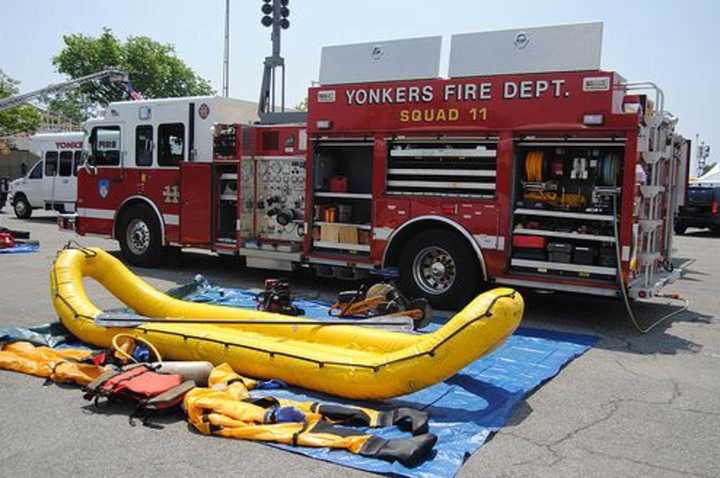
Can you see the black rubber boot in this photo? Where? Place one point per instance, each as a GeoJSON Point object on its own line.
{"type": "Point", "coordinates": [409, 419]}
{"type": "Point", "coordinates": [408, 451]}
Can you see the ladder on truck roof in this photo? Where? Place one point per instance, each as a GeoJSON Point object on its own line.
{"type": "Point", "coordinates": [661, 154]}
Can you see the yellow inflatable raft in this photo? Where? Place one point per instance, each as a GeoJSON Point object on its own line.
{"type": "Point", "coordinates": [343, 360]}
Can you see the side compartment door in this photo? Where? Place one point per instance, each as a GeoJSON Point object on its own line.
{"type": "Point", "coordinates": [195, 203]}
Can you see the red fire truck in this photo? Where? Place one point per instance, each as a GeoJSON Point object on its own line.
{"type": "Point", "coordinates": [521, 167]}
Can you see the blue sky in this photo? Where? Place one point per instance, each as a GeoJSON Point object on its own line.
{"type": "Point", "coordinates": [670, 42]}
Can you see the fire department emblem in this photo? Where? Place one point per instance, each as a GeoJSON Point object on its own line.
{"type": "Point", "coordinates": [377, 52]}
{"type": "Point", "coordinates": [103, 188]}
{"type": "Point", "coordinates": [204, 111]}
{"type": "Point", "coordinates": [171, 194]}
{"type": "Point", "coordinates": [521, 40]}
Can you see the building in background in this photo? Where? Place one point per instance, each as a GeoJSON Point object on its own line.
{"type": "Point", "coordinates": [15, 155]}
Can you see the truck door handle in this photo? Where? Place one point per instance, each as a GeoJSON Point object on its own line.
{"type": "Point", "coordinates": [117, 179]}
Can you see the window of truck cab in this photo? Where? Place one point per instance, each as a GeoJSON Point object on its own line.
{"type": "Point", "coordinates": [37, 171]}
{"type": "Point", "coordinates": [78, 161]}
{"type": "Point", "coordinates": [171, 144]}
{"type": "Point", "coordinates": [144, 145]}
{"type": "Point", "coordinates": [51, 164]}
{"type": "Point", "coordinates": [105, 145]}
{"type": "Point", "coordinates": [66, 164]}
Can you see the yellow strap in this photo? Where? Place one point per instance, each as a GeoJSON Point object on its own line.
{"type": "Point", "coordinates": [119, 350]}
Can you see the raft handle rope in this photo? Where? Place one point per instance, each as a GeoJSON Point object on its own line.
{"type": "Point", "coordinates": [133, 322]}
{"type": "Point", "coordinates": [75, 245]}
{"type": "Point", "coordinates": [119, 350]}
{"type": "Point", "coordinates": [623, 288]}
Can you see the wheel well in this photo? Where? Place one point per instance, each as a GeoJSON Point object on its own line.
{"type": "Point", "coordinates": [400, 238]}
{"type": "Point", "coordinates": [19, 194]}
{"type": "Point", "coordinates": [138, 201]}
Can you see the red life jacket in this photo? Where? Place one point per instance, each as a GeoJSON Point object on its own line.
{"type": "Point", "coordinates": [139, 383]}
{"type": "Point", "coordinates": [6, 240]}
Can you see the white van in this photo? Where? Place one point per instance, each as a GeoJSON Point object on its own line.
{"type": "Point", "coordinates": [52, 182]}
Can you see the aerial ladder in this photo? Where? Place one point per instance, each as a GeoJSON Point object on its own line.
{"type": "Point", "coordinates": [112, 75]}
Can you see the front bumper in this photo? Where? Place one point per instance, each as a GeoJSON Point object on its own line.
{"type": "Point", "coordinates": [698, 221]}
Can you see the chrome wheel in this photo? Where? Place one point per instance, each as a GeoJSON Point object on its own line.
{"type": "Point", "coordinates": [434, 270]}
{"type": "Point", "coordinates": [137, 237]}
{"type": "Point", "coordinates": [20, 208]}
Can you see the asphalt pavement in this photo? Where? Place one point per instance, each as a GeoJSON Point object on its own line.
{"type": "Point", "coordinates": [634, 405]}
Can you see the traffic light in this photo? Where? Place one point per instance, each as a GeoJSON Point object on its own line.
{"type": "Point", "coordinates": [267, 9]}
{"type": "Point", "coordinates": [284, 13]}
{"type": "Point", "coordinates": [269, 18]}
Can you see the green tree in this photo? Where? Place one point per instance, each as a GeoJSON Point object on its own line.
{"type": "Point", "coordinates": [19, 119]}
{"type": "Point", "coordinates": [154, 70]}
{"type": "Point", "coordinates": [72, 105]}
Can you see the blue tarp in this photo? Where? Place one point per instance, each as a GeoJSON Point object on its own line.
{"type": "Point", "coordinates": [465, 409]}
{"type": "Point", "coordinates": [20, 249]}
{"type": "Point", "coordinates": [50, 335]}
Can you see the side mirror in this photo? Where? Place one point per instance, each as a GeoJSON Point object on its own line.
{"type": "Point", "coordinates": [89, 163]}
{"type": "Point", "coordinates": [89, 157]}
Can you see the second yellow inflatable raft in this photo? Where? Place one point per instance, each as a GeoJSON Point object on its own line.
{"type": "Point", "coordinates": [347, 361]}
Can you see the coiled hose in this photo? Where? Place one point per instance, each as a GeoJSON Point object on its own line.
{"type": "Point", "coordinates": [609, 169]}
{"type": "Point", "coordinates": [534, 166]}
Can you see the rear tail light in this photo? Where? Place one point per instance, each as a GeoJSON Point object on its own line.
{"type": "Point", "coordinates": [714, 207]}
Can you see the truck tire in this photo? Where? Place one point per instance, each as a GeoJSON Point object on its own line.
{"type": "Point", "coordinates": [139, 236]}
{"type": "Point", "coordinates": [680, 229]}
{"type": "Point", "coordinates": [441, 267]}
{"type": "Point", "coordinates": [22, 207]}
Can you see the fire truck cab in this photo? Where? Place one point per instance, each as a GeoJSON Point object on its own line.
{"type": "Point", "coordinates": [529, 165]}
{"type": "Point", "coordinates": [143, 156]}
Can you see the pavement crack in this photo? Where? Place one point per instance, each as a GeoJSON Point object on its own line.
{"type": "Point", "coordinates": [676, 392]}
{"type": "Point", "coordinates": [612, 405]}
{"type": "Point", "coordinates": [557, 457]}
{"type": "Point", "coordinates": [550, 447]}
{"type": "Point", "coordinates": [644, 463]}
